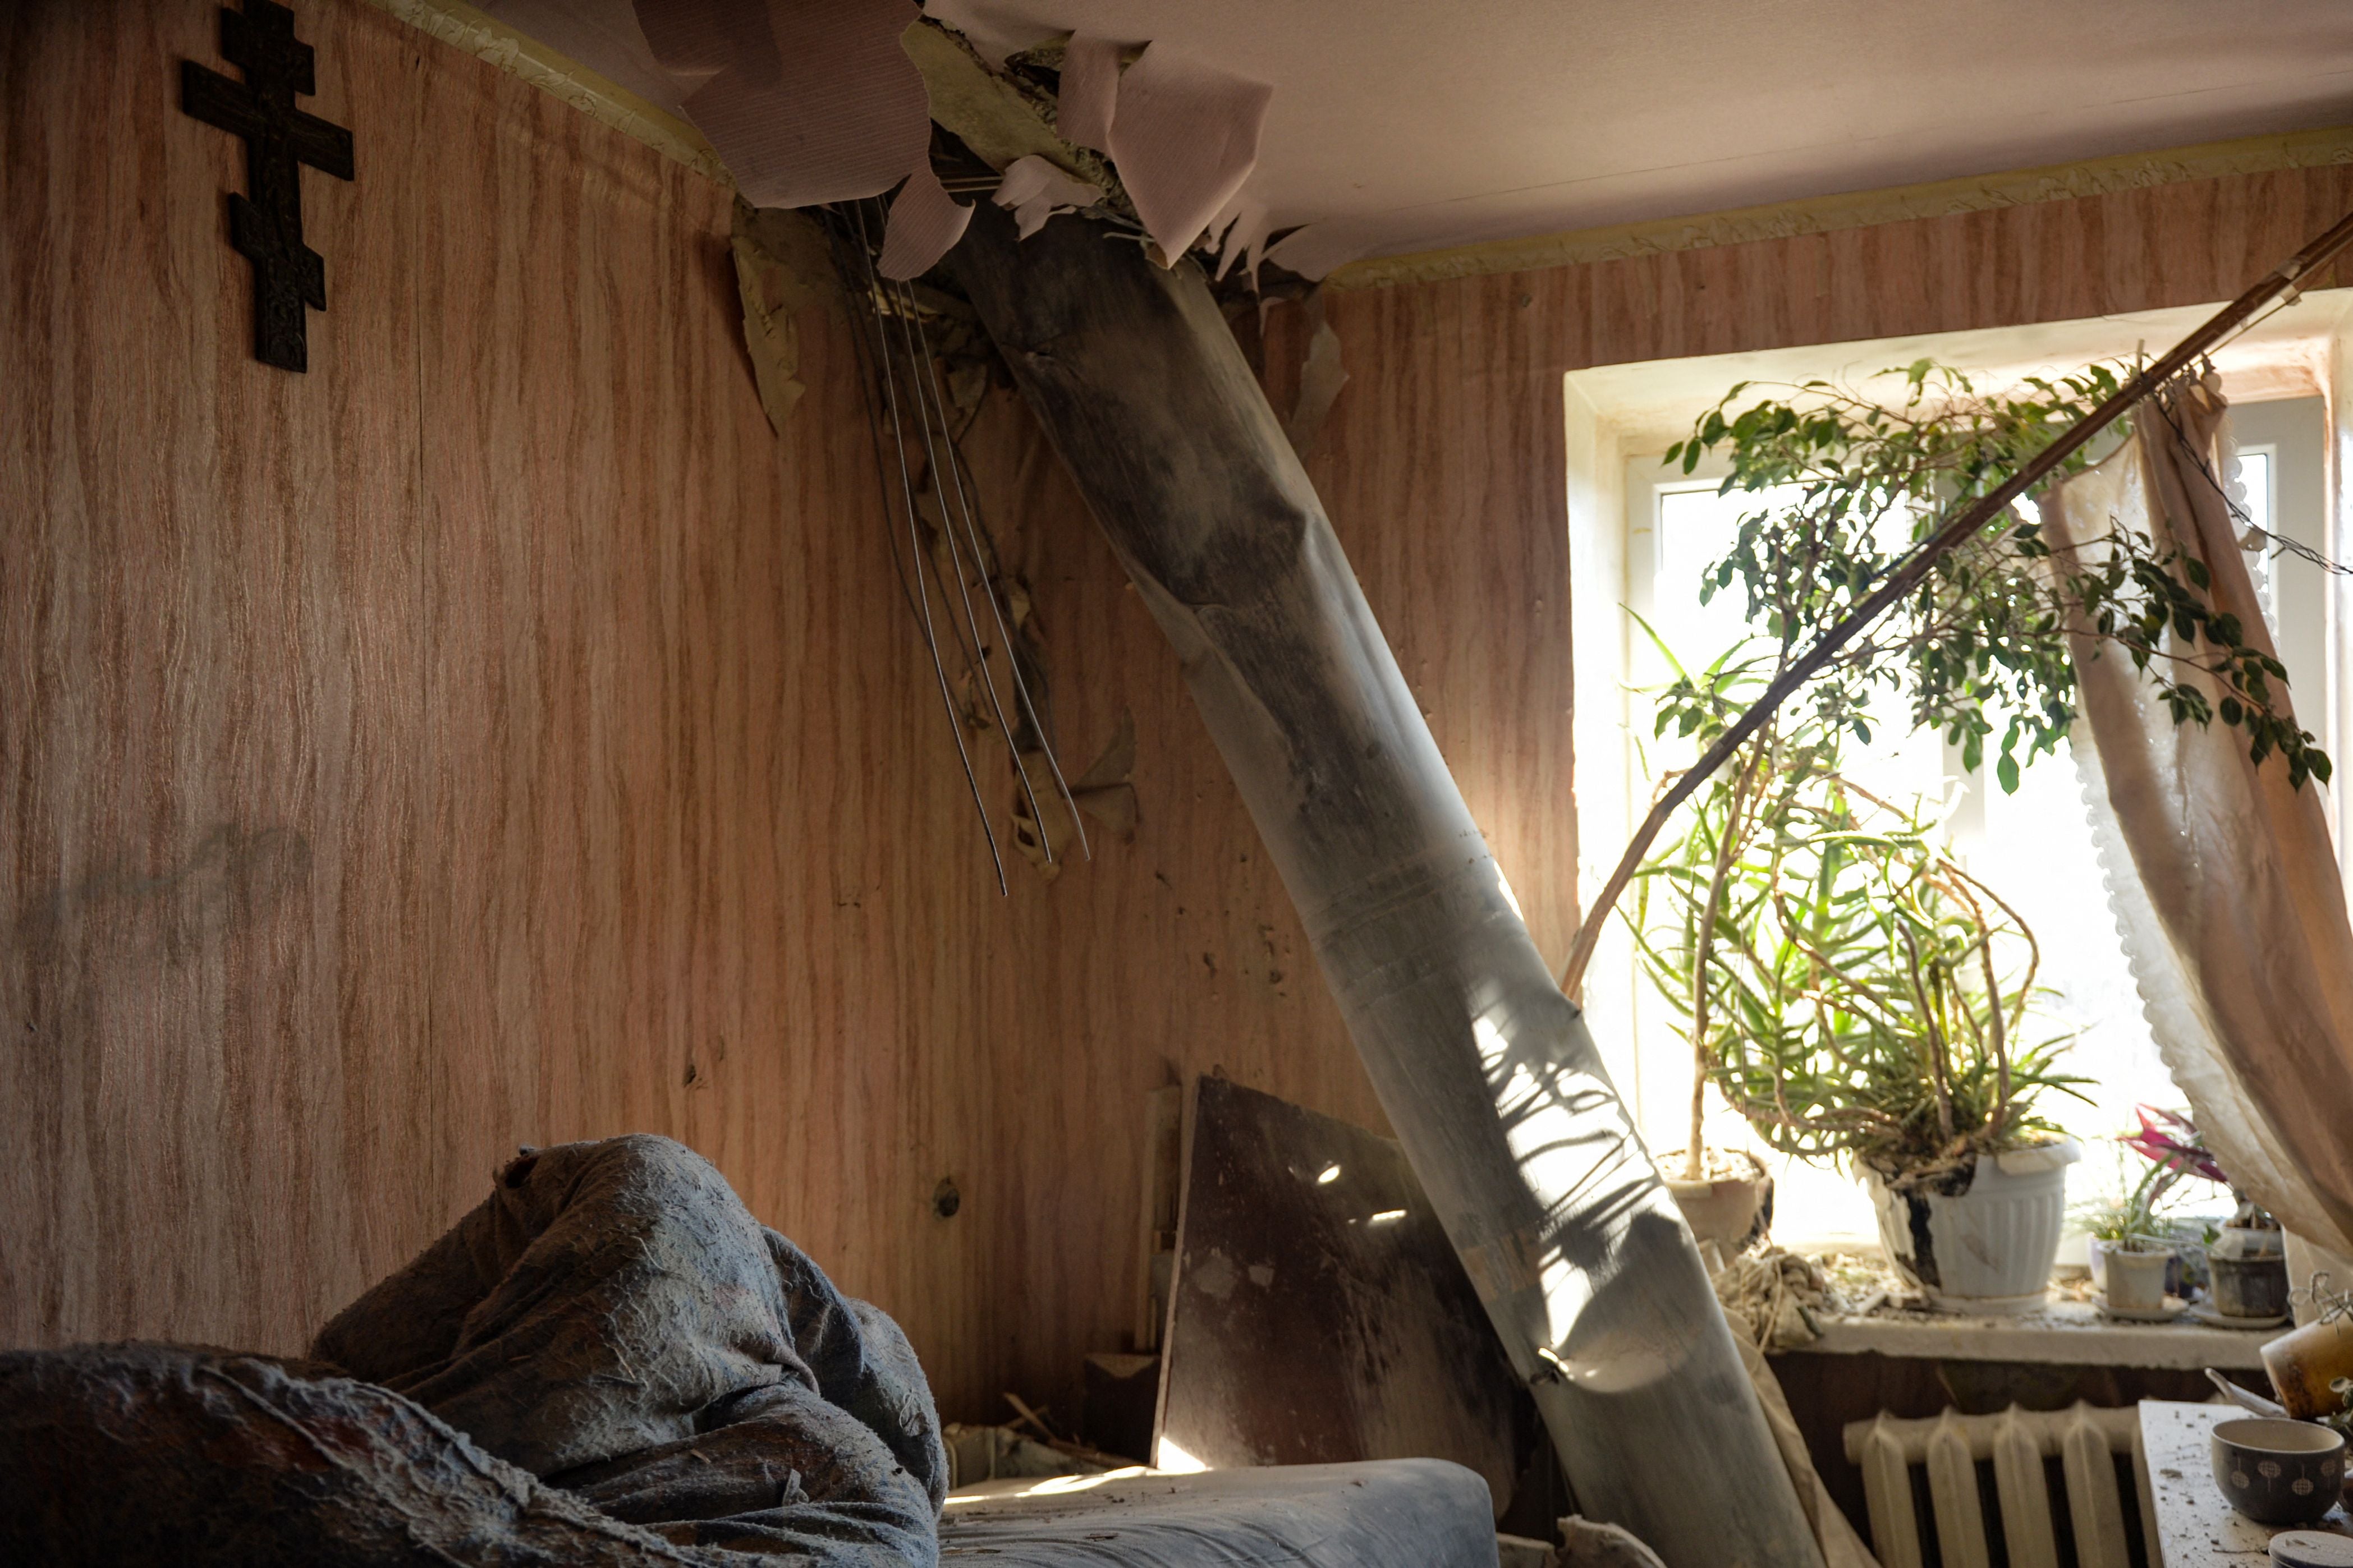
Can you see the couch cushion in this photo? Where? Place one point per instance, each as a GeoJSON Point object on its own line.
{"type": "Point", "coordinates": [1383, 1513]}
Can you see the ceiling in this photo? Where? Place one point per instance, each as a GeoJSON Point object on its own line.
{"type": "Point", "coordinates": [1404, 125]}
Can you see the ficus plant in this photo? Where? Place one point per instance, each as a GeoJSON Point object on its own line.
{"type": "Point", "coordinates": [1846, 985]}
{"type": "Point", "coordinates": [1846, 483]}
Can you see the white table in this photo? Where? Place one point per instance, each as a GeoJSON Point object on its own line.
{"type": "Point", "coordinates": [2195, 1528]}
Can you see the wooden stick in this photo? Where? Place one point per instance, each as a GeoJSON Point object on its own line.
{"type": "Point", "coordinates": [2278, 283]}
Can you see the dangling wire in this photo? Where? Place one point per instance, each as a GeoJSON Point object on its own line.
{"type": "Point", "coordinates": [916, 395]}
{"type": "Point", "coordinates": [1004, 633]}
{"type": "Point", "coordinates": [903, 302]}
{"type": "Point", "coordinates": [2280, 544]}
{"type": "Point", "coordinates": [889, 377]}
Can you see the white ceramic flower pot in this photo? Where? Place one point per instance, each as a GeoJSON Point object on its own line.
{"type": "Point", "coordinates": [1987, 1248]}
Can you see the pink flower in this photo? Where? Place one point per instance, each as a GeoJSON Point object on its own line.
{"type": "Point", "coordinates": [2176, 1145]}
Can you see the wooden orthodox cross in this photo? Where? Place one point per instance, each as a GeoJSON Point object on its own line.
{"type": "Point", "coordinates": [266, 227]}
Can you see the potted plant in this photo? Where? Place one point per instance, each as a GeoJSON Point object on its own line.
{"type": "Point", "coordinates": [1847, 483]}
{"type": "Point", "coordinates": [1855, 994]}
{"type": "Point", "coordinates": [1726, 1195]}
{"type": "Point", "coordinates": [2247, 1257]}
{"type": "Point", "coordinates": [2113, 1225]}
{"type": "Point", "coordinates": [2133, 1220]}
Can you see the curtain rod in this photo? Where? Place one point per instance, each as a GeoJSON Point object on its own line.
{"type": "Point", "coordinates": [2279, 284]}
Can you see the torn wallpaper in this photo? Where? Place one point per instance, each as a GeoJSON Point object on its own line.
{"type": "Point", "coordinates": [1090, 90]}
{"type": "Point", "coordinates": [811, 102]}
{"type": "Point", "coordinates": [1184, 136]}
{"type": "Point", "coordinates": [807, 101]}
{"type": "Point", "coordinates": [1034, 191]}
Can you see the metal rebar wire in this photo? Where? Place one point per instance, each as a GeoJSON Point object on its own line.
{"type": "Point", "coordinates": [916, 546]}
{"type": "Point", "coordinates": [870, 392]}
{"type": "Point", "coordinates": [903, 304]}
{"type": "Point", "coordinates": [995, 610]}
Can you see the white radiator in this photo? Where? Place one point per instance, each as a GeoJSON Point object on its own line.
{"type": "Point", "coordinates": [2017, 1441]}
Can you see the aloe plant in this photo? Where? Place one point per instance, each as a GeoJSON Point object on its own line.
{"type": "Point", "coordinates": [1844, 982]}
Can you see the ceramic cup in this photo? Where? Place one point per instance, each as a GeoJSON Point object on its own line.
{"type": "Point", "coordinates": [2278, 1472]}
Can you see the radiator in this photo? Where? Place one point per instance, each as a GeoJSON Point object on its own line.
{"type": "Point", "coordinates": [1949, 1448]}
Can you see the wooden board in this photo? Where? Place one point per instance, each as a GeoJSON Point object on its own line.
{"type": "Point", "coordinates": [1319, 1312]}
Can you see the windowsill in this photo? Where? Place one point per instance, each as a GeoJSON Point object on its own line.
{"type": "Point", "coordinates": [2060, 1332]}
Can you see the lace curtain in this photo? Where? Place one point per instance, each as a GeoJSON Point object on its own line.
{"type": "Point", "coordinates": [2222, 878]}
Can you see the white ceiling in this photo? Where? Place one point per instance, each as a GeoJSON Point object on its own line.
{"type": "Point", "coordinates": [1410, 124]}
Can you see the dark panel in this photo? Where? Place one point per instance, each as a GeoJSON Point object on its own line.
{"type": "Point", "coordinates": [1319, 1313]}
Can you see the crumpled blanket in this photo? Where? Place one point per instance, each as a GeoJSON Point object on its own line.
{"type": "Point", "coordinates": [609, 1362]}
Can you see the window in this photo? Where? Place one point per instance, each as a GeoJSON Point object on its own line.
{"type": "Point", "coordinates": [2034, 846]}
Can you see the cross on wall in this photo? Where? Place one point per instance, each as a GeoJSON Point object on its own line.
{"type": "Point", "coordinates": [266, 226]}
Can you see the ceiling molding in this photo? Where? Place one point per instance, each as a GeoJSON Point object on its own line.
{"type": "Point", "coordinates": [461, 25]}
{"type": "Point", "coordinates": [1859, 209]}
{"type": "Point", "coordinates": [487, 38]}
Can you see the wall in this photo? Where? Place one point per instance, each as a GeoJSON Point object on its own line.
{"type": "Point", "coordinates": [2182, 243]}
{"type": "Point", "coordinates": [498, 735]}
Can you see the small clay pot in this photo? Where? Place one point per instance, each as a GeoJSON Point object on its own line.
{"type": "Point", "coordinates": [2278, 1472]}
{"type": "Point", "coordinates": [2176, 1274]}
{"type": "Point", "coordinates": [1731, 1210]}
{"type": "Point", "coordinates": [2136, 1280]}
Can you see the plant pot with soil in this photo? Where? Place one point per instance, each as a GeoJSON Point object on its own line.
{"type": "Point", "coordinates": [2144, 1217]}
{"type": "Point", "coordinates": [1729, 1202]}
{"type": "Point", "coordinates": [1978, 1236]}
{"type": "Point", "coordinates": [2249, 1258]}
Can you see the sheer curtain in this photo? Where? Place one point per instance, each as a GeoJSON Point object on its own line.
{"type": "Point", "coordinates": [2223, 878]}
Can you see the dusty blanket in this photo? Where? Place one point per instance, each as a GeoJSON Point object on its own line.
{"type": "Point", "coordinates": [608, 1361]}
